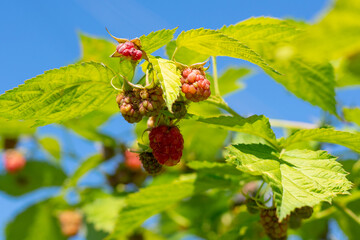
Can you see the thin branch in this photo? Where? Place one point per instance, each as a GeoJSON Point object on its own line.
{"type": "Point", "coordinates": [215, 76]}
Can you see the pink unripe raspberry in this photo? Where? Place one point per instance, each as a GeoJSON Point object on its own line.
{"type": "Point", "coordinates": [128, 49]}
{"type": "Point", "coordinates": [132, 160]}
{"type": "Point", "coordinates": [194, 85]}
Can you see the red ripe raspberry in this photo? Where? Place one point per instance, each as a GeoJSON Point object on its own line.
{"type": "Point", "coordinates": [70, 222]}
{"type": "Point", "coordinates": [14, 161]}
{"type": "Point", "coordinates": [194, 84]}
{"type": "Point", "coordinates": [132, 160]}
{"type": "Point", "coordinates": [128, 49]}
{"type": "Point", "coordinates": [270, 222]}
{"type": "Point", "coordinates": [167, 144]}
{"type": "Point", "coordinates": [150, 164]}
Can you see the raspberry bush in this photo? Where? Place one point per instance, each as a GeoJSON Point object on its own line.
{"type": "Point", "coordinates": [163, 138]}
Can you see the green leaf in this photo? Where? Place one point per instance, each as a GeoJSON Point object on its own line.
{"type": "Point", "coordinates": [228, 81]}
{"type": "Point", "coordinates": [35, 175]}
{"type": "Point", "coordinates": [52, 146]}
{"type": "Point", "coordinates": [312, 82]}
{"type": "Point", "coordinates": [214, 43]}
{"type": "Point", "coordinates": [352, 115]}
{"type": "Point", "coordinates": [98, 50]}
{"type": "Point", "coordinates": [36, 222]}
{"type": "Point", "coordinates": [89, 164]}
{"type": "Point", "coordinates": [336, 35]}
{"type": "Point", "coordinates": [154, 199]}
{"type": "Point", "coordinates": [156, 40]}
{"type": "Point", "coordinates": [103, 212]}
{"type": "Point", "coordinates": [262, 30]}
{"type": "Point", "coordinates": [185, 55]}
{"type": "Point", "coordinates": [297, 177]}
{"type": "Point", "coordinates": [255, 125]}
{"type": "Point", "coordinates": [169, 77]}
{"type": "Point", "coordinates": [329, 135]}
{"type": "Point", "coordinates": [213, 167]}
{"type": "Point", "coordinates": [59, 94]}
{"type": "Point", "coordinates": [14, 128]}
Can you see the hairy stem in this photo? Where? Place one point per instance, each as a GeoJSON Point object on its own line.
{"type": "Point", "coordinates": [215, 76]}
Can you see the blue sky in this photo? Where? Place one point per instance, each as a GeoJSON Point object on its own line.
{"type": "Point", "coordinates": [41, 35]}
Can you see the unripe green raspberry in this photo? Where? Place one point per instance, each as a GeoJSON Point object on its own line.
{"type": "Point", "coordinates": [150, 164]}
{"type": "Point", "coordinates": [304, 212]}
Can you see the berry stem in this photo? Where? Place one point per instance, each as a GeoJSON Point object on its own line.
{"type": "Point", "coordinates": [347, 211]}
{"type": "Point", "coordinates": [174, 53]}
{"type": "Point", "coordinates": [215, 76]}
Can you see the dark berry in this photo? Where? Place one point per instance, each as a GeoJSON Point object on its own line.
{"type": "Point", "coordinates": [14, 161]}
{"type": "Point", "coordinates": [167, 144]}
{"type": "Point", "coordinates": [150, 164]}
{"type": "Point", "coordinates": [304, 212]}
{"type": "Point", "coordinates": [179, 109]}
{"type": "Point", "coordinates": [251, 206]}
{"type": "Point", "coordinates": [294, 221]}
{"type": "Point", "coordinates": [129, 50]}
{"type": "Point", "coordinates": [270, 222]}
{"type": "Point", "coordinates": [195, 86]}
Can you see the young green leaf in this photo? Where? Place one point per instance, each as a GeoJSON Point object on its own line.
{"type": "Point", "coordinates": [156, 40]}
{"type": "Point", "coordinates": [89, 164]}
{"type": "Point", "coordinates": [352, 115]}
{"type": "Point", "coordinates": [263, 30]}
{"type": "Point", "coordinates": [98, 50]}
{"type": "Point", "coordinates": [329, 135]}
{"type": "Point", "coordinates": [169, 77]}
{"type": "Point", "coordinates": [335, 35]}
{"type": "Point", "coordinates": [213, 167]}
{"type": "Point", "coordinates": [184, 55]}
{"type": "Point", "coordinates": [214, 43]}
{"type": "Point", "coordinates": [36, 222]}
{"type": "Point", "coordinates": [14, 128]}
{"type": "Point", "coordinates": [255, 125]}
{"type": "Point", "coordinates": [298, 177]}
{"type": "Point", "coordinates": [155, 199]}
{"type": "Point", "coordinates": [59, 94]}
{"type": "Point", "coordinates": [35, 175]}
{"type": "Point", "coordinates": [52, 146]}
{"type": "Point", "coordinates": [103, 212]}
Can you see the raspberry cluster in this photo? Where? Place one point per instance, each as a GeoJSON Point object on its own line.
{"type": "Point", "coordinates": [270, 222]}
{"type": "Point", "coordinates": [137, 103]}
{"type": "Point", "coordinates": [70, 222]}
{"type": "Point", "coordinates": [128, 50]}
{"type": "Point", "coordinates": [167, 144]}
{"type": "Point", "coordinates": [14, 161]}
{"type": "Point", "coordinates": [194, 84]}
{"type": "Point", "coordinates": [150, 164]}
